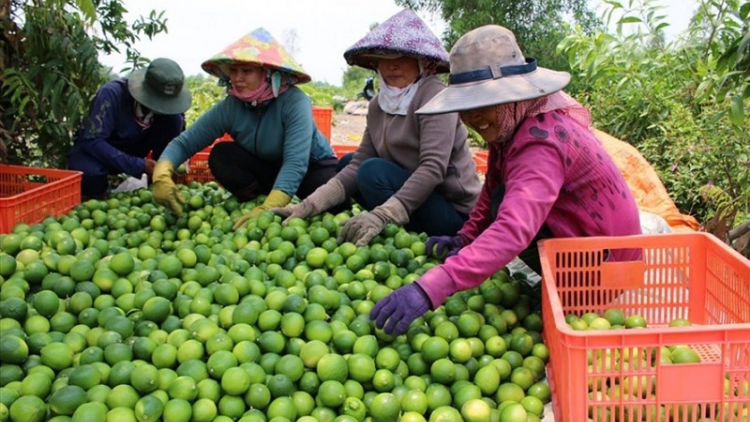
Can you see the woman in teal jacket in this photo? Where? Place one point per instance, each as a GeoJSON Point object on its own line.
{"type": "Point", "coordinates": [277, 150]}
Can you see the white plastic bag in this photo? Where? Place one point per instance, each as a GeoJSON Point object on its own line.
{"type": "Point", "coordinates": [653, 224]}
{"type": "Point", "coordinates": [131, 183]}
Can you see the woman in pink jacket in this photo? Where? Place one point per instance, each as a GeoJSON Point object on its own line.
{"type": "Point", "coordinates": [548, 175]}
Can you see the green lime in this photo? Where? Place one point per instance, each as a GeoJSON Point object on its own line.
{"type": "Point", "coordinates": [177, 410]}
{"type": "Point", "coordinates": [149, 409]}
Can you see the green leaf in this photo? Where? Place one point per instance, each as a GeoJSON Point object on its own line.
{"type": "Point", "coordinates": [743, 45]}
{"type": "Point", "coordinates": [630, 19]}
{"type": "Point", "coordinates": [737, 113]}
{"type": "Point", "coordinates": [87, 9]}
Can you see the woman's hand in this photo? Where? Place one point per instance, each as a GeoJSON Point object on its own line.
{"type": "Point", "coordinates": [395, 312]}
{"type": "Point", "coordinates": [443, 246]}
{"type": "Point", "coordinates": [165, 191]}
{"type": "Point", "coordinates": [300, 210]}
{"type": "Point", "coordinates": [275, 199]}
{"type": "Point", "coordinates": [148, 167]}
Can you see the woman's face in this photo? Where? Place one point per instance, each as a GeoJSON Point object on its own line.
{"type": "Point", "coordinates": [484, 121]}
{"type": "Point", "coordinates": [400, 72]}
{"type": "Point", "coordinates": [245, 77]}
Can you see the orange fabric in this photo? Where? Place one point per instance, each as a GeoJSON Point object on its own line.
{"type": "Point", "coordinates": [648, 190]}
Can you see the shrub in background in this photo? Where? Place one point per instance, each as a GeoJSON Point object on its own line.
{"type": "Point", "coordinates": [680, 102]}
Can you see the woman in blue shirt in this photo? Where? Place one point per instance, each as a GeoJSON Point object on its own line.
{"type": "Point", "coordinates": [277, 150]}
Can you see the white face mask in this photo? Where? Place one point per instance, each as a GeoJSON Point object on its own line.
{"type": "Point", "coordinates": [397, 100]}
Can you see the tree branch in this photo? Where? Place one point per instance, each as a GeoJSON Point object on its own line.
{"type": "Point", "coordinates": [738, 231]}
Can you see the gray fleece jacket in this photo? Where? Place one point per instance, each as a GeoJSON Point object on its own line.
{"type": "Point", "coordinates": [433, 148]}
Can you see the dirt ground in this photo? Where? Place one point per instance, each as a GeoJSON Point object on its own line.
{"type": "Point", "coordinates": [347, 129]}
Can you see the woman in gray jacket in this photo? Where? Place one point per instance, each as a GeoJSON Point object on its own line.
{"type": "Point", "coordinates": [410, 169]}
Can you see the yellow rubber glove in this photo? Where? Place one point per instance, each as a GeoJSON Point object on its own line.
{"type": "Point", "coordinates": [275, 199]}
{"type": "Point", "coordinates": [164, 189]}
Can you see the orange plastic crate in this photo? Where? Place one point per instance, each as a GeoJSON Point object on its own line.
{"type": "Point", "coordinates": [686, 275]}
{"type": "Point", "coordinates": [341, 149]}
{"type": "Point", "coordinates": [224, 138]}
{"type": "Point", "coordinates": [480, 158]}
{"type": "Point", "coordinates": [322, 117]}
{"type": "Point", "coordinates": [29, 195]}
{"type": "Point", "coordinates": [197, 170]}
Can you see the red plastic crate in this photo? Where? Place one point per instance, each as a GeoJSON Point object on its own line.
{"type": "Point", "coordinates": [323, 117]}
{"type": "Point", "coordinates": [29, 195]}
{"type": "Point", "coordinates": [685, 275]}
{"type": "Point", "coordinates": [224, 138]}
{"type": "Point", "coordinates": [480, 158]}
{"type": "Point", "coordinates": [341, 149]}
{"type": "Point", "coordinates": [197, 170]}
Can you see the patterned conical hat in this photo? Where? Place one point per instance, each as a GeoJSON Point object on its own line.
{"type": "Point", "coordinates": [403, 34]}
{"type": "Point", "coordinates": [260, 48]}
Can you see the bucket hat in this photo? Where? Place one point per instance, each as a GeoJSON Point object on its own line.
{"type": "Point", "coordinates": [260, 48]}
{"type": "Point", "coordinates": [488, 68]}
{"type": "Point", "coordinates": [161, 87]}
{"type": "Point", "coordinates": [403, 34]}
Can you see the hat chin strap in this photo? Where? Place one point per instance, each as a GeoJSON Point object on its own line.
{"type": "Point", "coordinates": [490, 73]}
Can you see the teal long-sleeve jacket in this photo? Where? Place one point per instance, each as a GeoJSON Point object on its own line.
{"type": "Point", "coordinates": [282, 131]}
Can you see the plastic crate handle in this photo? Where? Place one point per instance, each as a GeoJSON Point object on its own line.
{"type": "Point", "coordinates": [582, 265]}
{"type": "Point", "coordinates": [623, 274]}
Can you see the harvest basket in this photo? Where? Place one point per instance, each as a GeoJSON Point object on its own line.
{"type": "Point", "coordinates": [342, 149]}
{"type": "Point", "coordinates": [323, 117]}
{"type": "Point", "coordinates": [480, 158]}
{"type": "Point", "coordinates": [224, 138]}
{"type": "Point", "coordinates": [618, 375]}
{"type": "Point", "coordinates": [28, 194]}
{"type": "Point", "coordinates": [197, 170]}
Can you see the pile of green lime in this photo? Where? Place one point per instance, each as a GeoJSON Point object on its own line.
{"type": "Point", "coordinates": [120, 311]}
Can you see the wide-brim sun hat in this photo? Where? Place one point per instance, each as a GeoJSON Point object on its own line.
{"type": "Point", "coordinates": [258, 48]}
{"type": "Point", "coordinates": [403, 34]}
{"type": "Point", "coordinates": [161, 87]}
{"type": "Point", "coordinates": [488, 68]}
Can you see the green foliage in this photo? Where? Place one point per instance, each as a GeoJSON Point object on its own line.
{"type": "Point", "coordinates": [206, 93]}
{"type": "Point", "coordinates": [321, 94]}
{"type": "Point", "coordinates": [354, 81]}
{"type": "Point", "coordinates": [721, 41]}
{"type": "Point", "coordinates": [679, 102]}
{"type": "Point", "coordinates": [630, 75]}
{"type": "Point", "coordinates": [50, 70]}
{"type": "Point", "coordinates": [696, 154]}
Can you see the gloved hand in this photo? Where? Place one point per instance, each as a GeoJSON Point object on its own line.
{"type": "Point", "coordinates": [395, 312]}
{"type": "Point", "coordinates": [274, 199]}
{"type": "Point", "coordinates": [164, 189]}
{"type": "Point", "coordinates": [324, 197]}
{"type": "Point", "coordinates": [443, 246]}
{"type": "Point", "coordinates": [361, 228]}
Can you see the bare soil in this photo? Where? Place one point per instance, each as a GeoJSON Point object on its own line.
{"type": "Point", "coordinates": [347, 129]}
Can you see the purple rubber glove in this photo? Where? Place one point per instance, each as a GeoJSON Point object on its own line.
{"type": "Point", "coordinates": [444, 246]}
{"type": "Point", "coordinates": [396, 311]}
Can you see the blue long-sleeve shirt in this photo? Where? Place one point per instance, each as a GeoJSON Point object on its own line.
{"type": "Point", "coordinates": [283, 131]}
{"type": "Point", "coordinates": [112, 136]}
